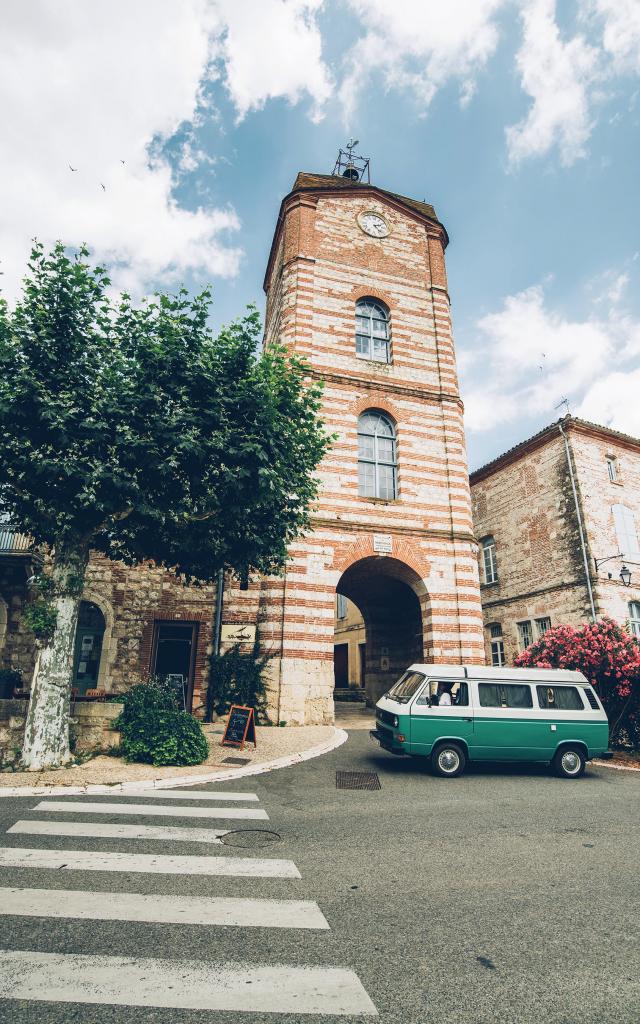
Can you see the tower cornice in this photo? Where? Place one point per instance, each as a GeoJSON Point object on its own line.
{"type": "Point", "coordinates": [308, 188]}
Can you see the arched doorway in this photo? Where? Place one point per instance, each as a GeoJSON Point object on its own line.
{"type": "Point", "coordinates": [391, 598]}
{"type": "Point", "coordinates": [88, 649]}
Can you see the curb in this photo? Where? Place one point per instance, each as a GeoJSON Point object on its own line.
{"type": "Point", "coordinates": [618, 767]}
{"type": "Point", "coordinates": [339, 737]}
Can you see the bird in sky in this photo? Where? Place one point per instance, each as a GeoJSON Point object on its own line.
{"type": "Point", "coordinates": [103, 187]}
{"type": "Point", "coordinates": [122, 161]}
{"type": "Point", "coordinates": [72, 168]}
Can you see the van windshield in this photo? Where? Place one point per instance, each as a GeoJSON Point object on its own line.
{"type": "Point", "coordinates": [406, 686]}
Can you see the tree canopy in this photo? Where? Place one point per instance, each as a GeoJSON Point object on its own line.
{"type": "Point", "coordinates": [133, 429]}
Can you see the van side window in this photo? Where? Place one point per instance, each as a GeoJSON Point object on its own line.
{"type": "Point", "coordinates": [559, 698]}
{"type": "Point", "coordinates": [461, 698]}
{"type": "Point", "coordinates": [504, 695]}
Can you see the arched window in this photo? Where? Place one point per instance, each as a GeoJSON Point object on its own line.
{"type": "Point", "coordinates": [372, 330]}
{"type": "Point", "coordinates": [376, 456]}
{"type": "Point", "coordinates": [489, 560]}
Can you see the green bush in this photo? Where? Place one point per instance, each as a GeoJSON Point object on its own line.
{"type": "Point", "coordinates": [237, 678]}
{"type": "Point", "coordinates": [154, 731]}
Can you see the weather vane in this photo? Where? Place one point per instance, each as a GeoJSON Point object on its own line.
{"type": "Point", "coordinates": [350, 165]}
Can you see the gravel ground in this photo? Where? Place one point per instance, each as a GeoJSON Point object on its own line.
{"type": "Point", "coordinates": [272, 743]}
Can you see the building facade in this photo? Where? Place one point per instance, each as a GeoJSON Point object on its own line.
{"type": "Point", "coordinates": [356, 283]}
{"type": "Point", "coordinates": [544, 514]}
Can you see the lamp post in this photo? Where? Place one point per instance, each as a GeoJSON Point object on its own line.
{"type": "Point", "coordinates": [624, 575]}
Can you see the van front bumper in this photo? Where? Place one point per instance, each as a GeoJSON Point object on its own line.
{"type": "Point", "coordinates": [385, 739]}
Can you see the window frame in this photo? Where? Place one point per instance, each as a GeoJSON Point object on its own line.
{"type": "Point", "coordinates": [553, 707]}
{"type": "Point", "coordinates": [541, 632]}
{"type": "Point", "coordinates": [341, 606]}
{"type": "Point", "coordinates": [523, 627]}
{"type": "Point", "coordinates": [377, 461]}
{"type": "Point", "coordinates": [488, 545]}
{"type": "Point", "coordinates": [633, 607]}
{"type": "Point", "coordinates": [496, 642]}
{"type": "Point", "coordinates": [613, 469]}
{"type": "Point", "coordinates": [370, 337]}
{"type": "Point", "coordinates": [626, 533]}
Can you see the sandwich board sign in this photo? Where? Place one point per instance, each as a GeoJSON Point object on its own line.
{"type": "Point", "coordinates": [241, 727]}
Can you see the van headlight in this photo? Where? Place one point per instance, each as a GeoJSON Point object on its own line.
{"type": "Point", "coordinates": [395, 721]}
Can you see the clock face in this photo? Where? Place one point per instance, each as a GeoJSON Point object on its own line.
{"type": "Point", "coordinates": [373, 224]}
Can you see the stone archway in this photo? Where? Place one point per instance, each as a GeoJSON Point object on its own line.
{"type": "Point", "coordinates": [393, 602]}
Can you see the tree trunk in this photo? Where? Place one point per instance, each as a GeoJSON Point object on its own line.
{"type": "Point", "coordinates": [46, 734]}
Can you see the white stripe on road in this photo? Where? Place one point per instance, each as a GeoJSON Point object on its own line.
{"type": "Point", "coordinates": [99, 830]}
{"type": "Point", "coordinates": [177, 794]}
{"type": "Point", "coordinates": [129, 906]}
{"type": "Point", "coordinates": [158, 811]}
{"type": "Point", "coordinates": [181, 984]}
{"type": "Point", "coordinates": [87, 860]}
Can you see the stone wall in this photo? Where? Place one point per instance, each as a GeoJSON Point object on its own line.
{"type": "Point", "coordinates": [525, 501]}
{"type": "Point", "coordinates": [91, 727]}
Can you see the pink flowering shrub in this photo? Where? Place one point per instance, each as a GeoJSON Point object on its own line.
{"type": "Point", "coordinates": [609, 658]}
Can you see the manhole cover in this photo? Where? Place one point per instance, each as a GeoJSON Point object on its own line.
{"type": "Point", "coordinates": [236, 760]}
{"type": "Point", "coordinates": [250, 837]}
{"type": "Point", "coordinates": [357, 780]}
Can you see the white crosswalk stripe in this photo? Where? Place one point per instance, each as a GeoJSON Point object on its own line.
{"type": "Point", "coordinates": [179, 984]}
{"type": "Point", "coordinates": [87, 860]}
{"type": "Point", "coordinates": [130, 906]}
{"type": "Point", "coordinates": [102, 830]}
{"type": "Point", "coordinates": [157, 810]}
{"type": "Point", "coordinates": [122, 981]}
{"type": "Point", "coordinates": [176, 794]}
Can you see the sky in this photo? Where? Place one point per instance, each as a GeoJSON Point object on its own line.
{"type": "Point", "coordinates": [165, 134]}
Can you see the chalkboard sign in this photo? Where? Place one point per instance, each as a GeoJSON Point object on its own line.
{"type": "Point", "coordinates": [241, 727]}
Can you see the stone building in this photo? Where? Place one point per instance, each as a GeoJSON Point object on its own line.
{"type": "Point", "coordinates": [556, 520]}
{"type": "Point", "coordinates": [356, 283]}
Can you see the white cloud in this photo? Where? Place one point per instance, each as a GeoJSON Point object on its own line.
{"type": "Point", "coordinates": [101, 87]}
{"type": "Point", "coordinates": [529, 357]}
{"type": "Point", "coordinates": [419, 45]}
{"type": "Point", "coordinates": [620, 21]}
{"type": "Point", "coordinates": [90, 86]}
{"type": "Point", "coordinates": [559, 77]}
{"type": "Point", "coordinates": [273, 48]}
{"type": "Point", "coordinates": [613, 401]}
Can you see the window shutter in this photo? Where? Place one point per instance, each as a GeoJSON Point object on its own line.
{"type": "Point", "coordinates": [625, 530]}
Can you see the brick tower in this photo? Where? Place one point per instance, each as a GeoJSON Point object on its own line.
{"type": "Point", "coordinates": [356, 283]}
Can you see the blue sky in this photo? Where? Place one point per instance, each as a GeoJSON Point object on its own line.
{"type": "Point", "coordinates": [518, 119]}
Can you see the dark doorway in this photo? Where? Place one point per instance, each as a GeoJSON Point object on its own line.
{"type": "Point", "coordinates": [384, 590]}
{"type": "Point", "coordinates": [88, 648]}
{"type": "Point", "coordinates": [174, 648]}
{"type": "Point", "coordinates": [341, 665]}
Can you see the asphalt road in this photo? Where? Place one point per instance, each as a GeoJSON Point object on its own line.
{"type": "Point", "coordinates": [504, 896]}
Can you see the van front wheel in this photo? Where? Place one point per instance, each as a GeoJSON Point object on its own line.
{"type": "Point", "coordinates": [448, 760]}
{"type": "Point", "coordinates": [569, 763]}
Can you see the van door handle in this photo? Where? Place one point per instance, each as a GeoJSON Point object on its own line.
{"type": "Point", "coordinates": [467, 719]}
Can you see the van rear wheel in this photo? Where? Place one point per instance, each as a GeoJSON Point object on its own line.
{"type": "Point", "coordinates": [448, 760]}
{"type": "Point", "coordinates": [569, 762]}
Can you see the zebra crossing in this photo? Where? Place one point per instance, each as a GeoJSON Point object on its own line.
{"type": "Point", "coordinates": [185, 984]}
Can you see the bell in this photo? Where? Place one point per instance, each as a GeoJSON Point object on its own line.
{"type": "Point", "coordinates": [351, 172]}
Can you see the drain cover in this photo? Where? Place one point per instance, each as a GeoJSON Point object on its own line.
{"type": "Point", "coordinates": [357, 780]}
{"type": "Point", "coordinates": [250, 837]}
{"type": "Point", "coordinates": [236, 760]}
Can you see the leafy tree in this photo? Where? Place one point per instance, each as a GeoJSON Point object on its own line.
{"type": "Point", "coordinates": [132, 431]}
{"type": "Point", "coordinates": [610, 659]}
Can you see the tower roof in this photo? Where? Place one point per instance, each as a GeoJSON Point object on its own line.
{"type": "Point", "coordinates": [319, 183]}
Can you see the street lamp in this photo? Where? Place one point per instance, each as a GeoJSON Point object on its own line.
{"type": "Point", "coordinates": [624, 574]}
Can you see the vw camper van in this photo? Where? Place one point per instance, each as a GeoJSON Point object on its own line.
{"type": "Point", "coordinates": [453, 714]}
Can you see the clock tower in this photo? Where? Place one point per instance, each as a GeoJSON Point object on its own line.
{"type": "Point", "coordinates": [356, 283]}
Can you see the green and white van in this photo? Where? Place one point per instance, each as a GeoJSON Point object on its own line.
{"type": "Point", "coordinates": [454, 714]}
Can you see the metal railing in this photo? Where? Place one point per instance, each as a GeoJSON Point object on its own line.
{"type": "Point", "coordinates": [12, 541]}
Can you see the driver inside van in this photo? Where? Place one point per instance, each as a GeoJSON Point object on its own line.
{"type": "Point", "coordinates": [444, 694]}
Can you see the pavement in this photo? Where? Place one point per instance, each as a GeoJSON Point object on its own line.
{"type": "Point", "coordinates": [274, 748]}
{"type": "Point", "coordinates": [506, 895]}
